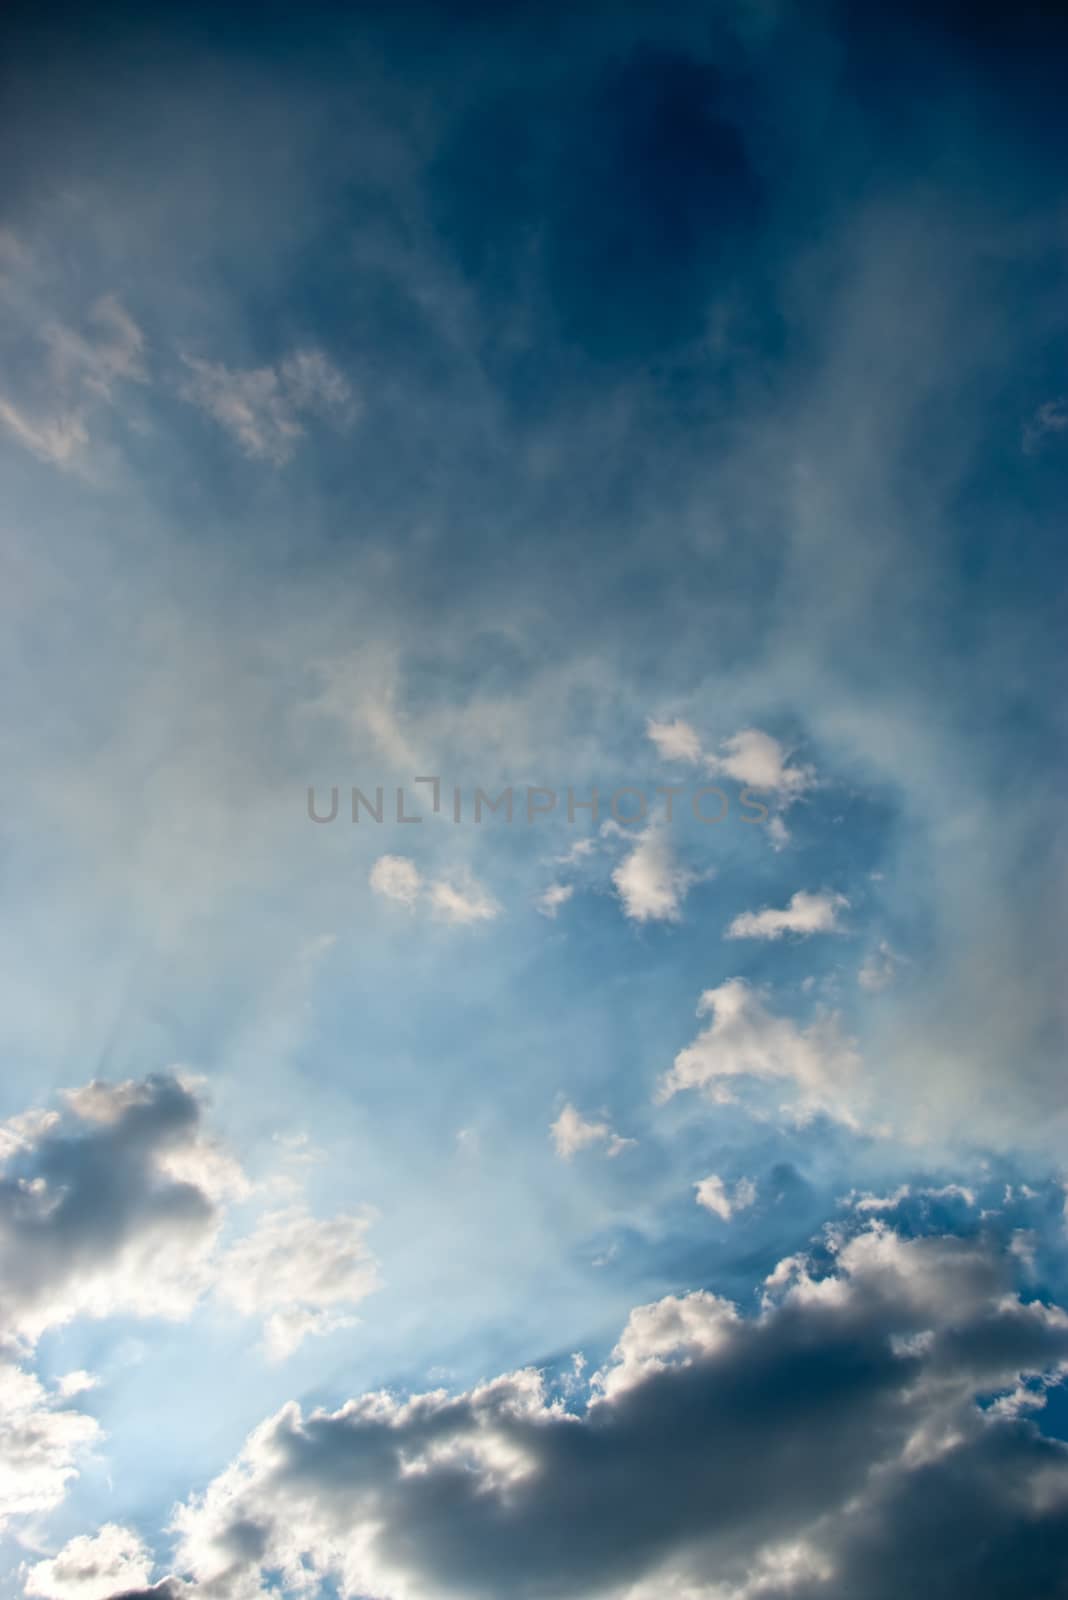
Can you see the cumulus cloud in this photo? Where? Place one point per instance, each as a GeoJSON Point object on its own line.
{"type": "Point", "coordinates": [818, 1448]}
{"type": "Point", "coordinates": [263, 407]}
{"type": "Point", "coordinates": [572, 1132]}
{"type": "Point", "coordinates": [714, 1195]}
{"type": "Point", "coordinates": [745, 1040]}
{"type": "Point", "coordinates": [115, 1206]}
{"type": "Point", "coordinates": [112, 1207]}
{"type": "Point", "coordinates": [459, 899]}
{"type": "Point", "coordinates": [88, 1568]}
{"type": "Point", "coordinates": [806, 913]}
{"type": "Point", "coordinates": [650, 883]}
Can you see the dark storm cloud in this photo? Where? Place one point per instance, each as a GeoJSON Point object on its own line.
{"type": "Point", "coordinates": [841, 1422]}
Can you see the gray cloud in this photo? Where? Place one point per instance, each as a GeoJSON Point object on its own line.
{"type": "Point", "coordinates": [814, 1448]}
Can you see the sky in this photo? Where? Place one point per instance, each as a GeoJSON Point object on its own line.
{"type": "Point", "coordinates": [533, 853]}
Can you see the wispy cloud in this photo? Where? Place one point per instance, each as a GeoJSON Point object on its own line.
{"type": "Point", "coordinates": [264, 408]}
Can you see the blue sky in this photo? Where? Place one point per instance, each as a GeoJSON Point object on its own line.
{"type": "Point", "coordinates": [551, 400]}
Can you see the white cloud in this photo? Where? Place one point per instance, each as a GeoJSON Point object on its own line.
{"type": "Point", "coordinates": [551, 899]}
{"type": "Point", "coordinates": [868, 1202]}
{"type": "Point", "coordinates": [300, 1271]}
{"type": "Point", "coordinates": [572, 1132]}
{"type": "Point", "coordinates": [462, 901]}
{"type": "Point", "coordinates": [675, 741]}
{"type": "Point", "coordinates": [759, 761]}
{"type": "Point", "coordinates": [397, 878]}
{"type": "Point", "coordinates": [744, 1039]}
{"type": "Point", "coordinates": [713, 1194]}
{"type": "Point", "coordinates": [806, 913]}
{"type": "Point", "coordinates": [459, 899]}
{"type": "Point", "coordinates": [668, 1333]}
{"type": "Point", "coordinates": [778, 833]}
{"type": "Point", "coordinates": [649, 881]}
{"type": "Point", "coordinates": [262, 407]}
{"type": "Point", "coordinates": [89, 1568]}
{"type": "Point", "coordinates": [41, 1443]}
{"type": "Point", "coordinates": [77, 1382]}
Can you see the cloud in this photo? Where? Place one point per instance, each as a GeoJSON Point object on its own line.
{"type": "Point", "coordinates": [461, 899]}
{"type": "Point", "coordinates": [78, 376]}
{"type": "Point", "coordinates": [263, 407]}
{"type": "Point", "coordinates": [649, 881]}
{"type": "Point", "coordinates": [751, 757]}
{"type": "Point", "coordinates": [1051, 418]}
{"type": "Point", "coordinates": [115, 354]}
{"type": "Point", "coordinates": [806, 913]}
{"type": "Point", "coordinates": [571, 1132]}
{"type": "Point", "coordinates": [868, 1202]}
{"type": "Point", "coordinates": [302, 1272]}
{"type": "Point", "coordinates": [88, 1568]}
{"type": "Point", "coordinates": [759, 761]}
{"type": "Point", "coordinates": [551, 899]}
{"type": "Point", "coordinates": [116, 1206]}
{"type": "Point", "coordinates": [820, 1447]}
{"type": "Point", "coordinates": [53, 439]}
{"type": "Point", "coordinates": [42, 1441]}
{"type": "Point", "coordinates": [879, 969]}
{"type": "Point", "coordinates": [397, 878]}
{"type": "Point", "coordinates": [112, 1207]}
{"type": "Point", "coordinates": [675, 741]}
{"type": "Point", "coordinates": [745, 1040]}
{"type": "Point", "coordinates": [713, 1194]}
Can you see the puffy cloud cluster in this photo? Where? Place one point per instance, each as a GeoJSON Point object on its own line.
{"type": "Point", "coordinates": [821, 1447]}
